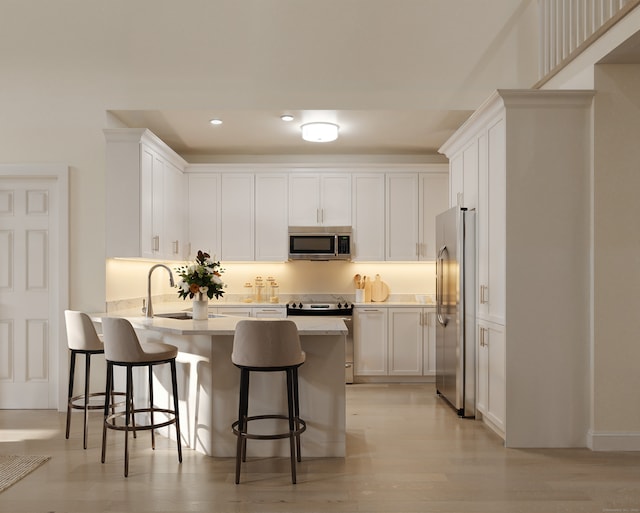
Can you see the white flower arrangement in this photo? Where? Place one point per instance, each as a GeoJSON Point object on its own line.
{"type": "Point", "coordinates": [203, 277]}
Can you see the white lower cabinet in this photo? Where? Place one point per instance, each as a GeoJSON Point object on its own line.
{"type": "Point", "coordinates": [405, 341]}
{"type": "Point", "coordinates": [491, 392]}
{"type": "Point", "coordinates": [260, 312]}
{"type": "Point", "coordinates": [394, 342]}
{"type": "Point", "coordinates": [370, 341]}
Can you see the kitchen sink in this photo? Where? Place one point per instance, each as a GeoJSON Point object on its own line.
{"type": "Point", "coordinates": [175, 315]}
{"type": "Point", "coordinates": [185, 316]}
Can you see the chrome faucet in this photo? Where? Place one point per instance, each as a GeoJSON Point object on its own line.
{"type": "Point", "coordinates": [149, 310]}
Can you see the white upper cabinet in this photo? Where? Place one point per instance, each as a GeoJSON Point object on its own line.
{"type": "Point", "coordinates": [368, 214]}
{"type": "Point", "coordinates": [271, 221]}
{"type": "Point", "coordinates": [237, 217]}
{"type": "Point", "coordinates": [320, 199]}
{"type": "Point", "coordinates": [139, 169]}
{"type": "Point", "coordinates": [433, 201]}
{"type": "Point", "coordinates": [402, 223]}
{"type": "Point", "coordinates": [204, 214]}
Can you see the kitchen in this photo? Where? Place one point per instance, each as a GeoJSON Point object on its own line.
{"type": "Point", "coordinates": [72, 133]}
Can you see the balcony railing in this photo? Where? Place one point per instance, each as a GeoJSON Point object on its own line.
{"type": "Point", "coordinates": [569, 26]}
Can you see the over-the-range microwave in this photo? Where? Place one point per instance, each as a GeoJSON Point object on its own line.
{"type": "Point", "coordinates": [319, 243]}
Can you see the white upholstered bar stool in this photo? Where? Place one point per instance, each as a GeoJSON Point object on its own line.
{"type": "Point", "coordinates": [122, 348]}
{"type": "Point", "coordinates": [83, 339]}
{"type": "Point", "coordinates": [268, 346]}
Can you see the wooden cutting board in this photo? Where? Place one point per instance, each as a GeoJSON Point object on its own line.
{"type": "Point", "coordinates": [379, 290]}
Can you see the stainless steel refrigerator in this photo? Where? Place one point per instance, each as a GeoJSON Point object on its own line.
{"type": "Point", "coordinates": [455, 309]}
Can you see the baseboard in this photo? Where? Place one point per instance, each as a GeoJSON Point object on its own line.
{"type": "Point", "coordinates": [613, 441]}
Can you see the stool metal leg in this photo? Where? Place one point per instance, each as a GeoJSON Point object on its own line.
{"type": "Point", "coordinates": [243, 405]}
{"type": "Point", "coordinates": [292, 436]}
{"type": "Point", "coordinates": [153, 431]}
{"type": "Point", "coordinates": [296, 411]}
{"type": "Point", "coordinates": [128, 413]}
{"type": "Point", "coordinates": [72, 370]}
{"type": "Point", "coordinates": [176, 406]}
{"type": "Point", "coordinates": [107, 394]}
{"type": "Point", "coordinates": [87, 379]}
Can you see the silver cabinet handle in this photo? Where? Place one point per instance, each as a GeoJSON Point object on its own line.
{"type": "Point", "coordinates": [155, 242]}
{"type": "Point", "coordinates": [176, 247]}
{"type": "Point", "coordinates": [484, 294]}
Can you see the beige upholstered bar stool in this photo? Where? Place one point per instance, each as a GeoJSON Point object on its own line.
{"type": "Point", "coordinates": [82, 338]}
{"type": "Point", "coordinates": [268, 346]}
{"type": "Point", "coordinates": [122, 348]}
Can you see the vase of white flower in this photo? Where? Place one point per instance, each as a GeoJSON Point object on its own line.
{"type": "Point", "coordinates": [200, 309]}
{"type": "Point", "coordinates": [200, 282]}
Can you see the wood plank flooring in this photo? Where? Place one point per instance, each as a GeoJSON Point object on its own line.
{"type": "Point", "coordinates": [407, 451]}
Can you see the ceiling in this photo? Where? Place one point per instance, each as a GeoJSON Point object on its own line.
{"type": "Point", "coordinates": [262, 132]}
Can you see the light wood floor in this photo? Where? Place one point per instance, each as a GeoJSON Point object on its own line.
{"type": "Point", "coordinates": [406, 452]}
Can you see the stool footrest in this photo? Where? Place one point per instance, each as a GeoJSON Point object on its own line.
{"type": "Point", "coordinates": [109, 421]}
{"type": "Point", "coordinates": [254, 436]}
{"type": "Point", "coordinates": [73, 401]}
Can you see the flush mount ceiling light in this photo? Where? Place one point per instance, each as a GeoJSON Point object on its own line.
{"type": "Point", "coordinates": [286, 117]}
{"type": "Point", "coordinates": [215, 121]}
{"type": "Point", "coordinates": [319, 132]}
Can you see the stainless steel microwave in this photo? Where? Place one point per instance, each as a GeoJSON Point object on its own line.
{"type": "Point", "coordinates": [319, 243]}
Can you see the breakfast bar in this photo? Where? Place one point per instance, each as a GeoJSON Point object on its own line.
{"type": "Point", "coordinates": [208, 384]}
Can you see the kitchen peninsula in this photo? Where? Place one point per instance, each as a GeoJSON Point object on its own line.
{"type": "Point", "coordinates": [208, 384]}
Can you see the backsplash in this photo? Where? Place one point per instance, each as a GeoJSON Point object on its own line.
{"type": "Point", "coordinates": [126, 280]}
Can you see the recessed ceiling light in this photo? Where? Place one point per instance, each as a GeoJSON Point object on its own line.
{"type": "Point", "coordinates": [216, 121]}
{"type": "Point", "coordinates": [286, 117]}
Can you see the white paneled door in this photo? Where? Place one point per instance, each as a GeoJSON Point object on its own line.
{"type": "Point", "coordinates": [33, 285]}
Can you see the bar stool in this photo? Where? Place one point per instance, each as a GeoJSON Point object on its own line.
{"type": "Point", "coordinates": [82, 339]}
{"type": "Point", "coordinates": [268, 346]}
{"type": "Point", "coordinates": [122, 348]}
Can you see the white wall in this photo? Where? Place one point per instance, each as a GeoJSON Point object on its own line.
{"type": "Point", "coordinates": [616, 351]}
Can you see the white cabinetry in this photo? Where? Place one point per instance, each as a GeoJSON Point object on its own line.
{"type": "Point", "coordinates": [433, 201]}
{"type": "Point", "coordinates": [259, 312]}
{"type": "Point", "coordinates": [368, 215]}
{"type": "Point", "coordinates": [395, 342]}
{"type": "Point", "coordinates": [271, 217]}
{"type": "Point", "coordinates": [405, 341]}
{"type": "Point", "coordinates": [402, 222]}
{"type": "Point", "coordinates": [412, 202]}
{"type": "Point", "coordinates": [531, 153]}
{"type": "Point", "coordinates": [317, 199]}
{"type": "Point", "coordinates": [203, 214]}
{"type": "Point", "coordinates": [490, 394]}
{"type": "Point", "coordinates": [370, 341]}
{"type": "Point", "coordinates": [143, 218]}
{"type": "Point", "coordinates": [237, 217]}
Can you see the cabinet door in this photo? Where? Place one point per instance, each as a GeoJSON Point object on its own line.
{"type": "Point", "coordinates": [271, 222]}
{"type": "Point", "coordinates": [237, 217]}
{"type": "Point", "coordinates": [368, 217]}
{"type": "Point", "coordinates": [402, 211]}
{"type": "Point", "coordinates": [405, 342]}
{"type": "Point", "coordinates": [433, 201]}
{"type": "Point", "coordinates": [456, 180]}
{"type": "Point", "coordinates": [235, 311]}
{"type": "Point", "coordinates": [491, 223]}
{"type": "Point", "coordinates": [174, 214]}
{"type": "Point", "coordinates": [491, 394]}
{"type": "Point", "coordinates": [428, 342]}
{"type": "Point", "coordinates": [203, 214]}
{"type": "Point", "coordinates": [275, 312]}
{"type": "Point", "coordinates": [370, 341]}
{"type": "Point", "coordinates": [335, 199]}
{"type": "Point", "coordinates": [304, 199]}
{"type": "Point", "coordinates": [151, 197]}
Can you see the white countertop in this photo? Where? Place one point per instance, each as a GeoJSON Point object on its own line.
{"type": "Point", "coordinates": [219, 325]}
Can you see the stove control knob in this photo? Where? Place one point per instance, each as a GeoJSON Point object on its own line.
{"type": "Point", "coordinates": [339, 305]}
{"type": "Point", "coordinates": [299, 305]}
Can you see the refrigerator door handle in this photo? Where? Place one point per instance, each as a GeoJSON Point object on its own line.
{"type": "Point", "coordinates": [440, 285]}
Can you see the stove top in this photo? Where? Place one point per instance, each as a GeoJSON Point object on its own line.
{"type": "Point", "coordinates": [313, 308]}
